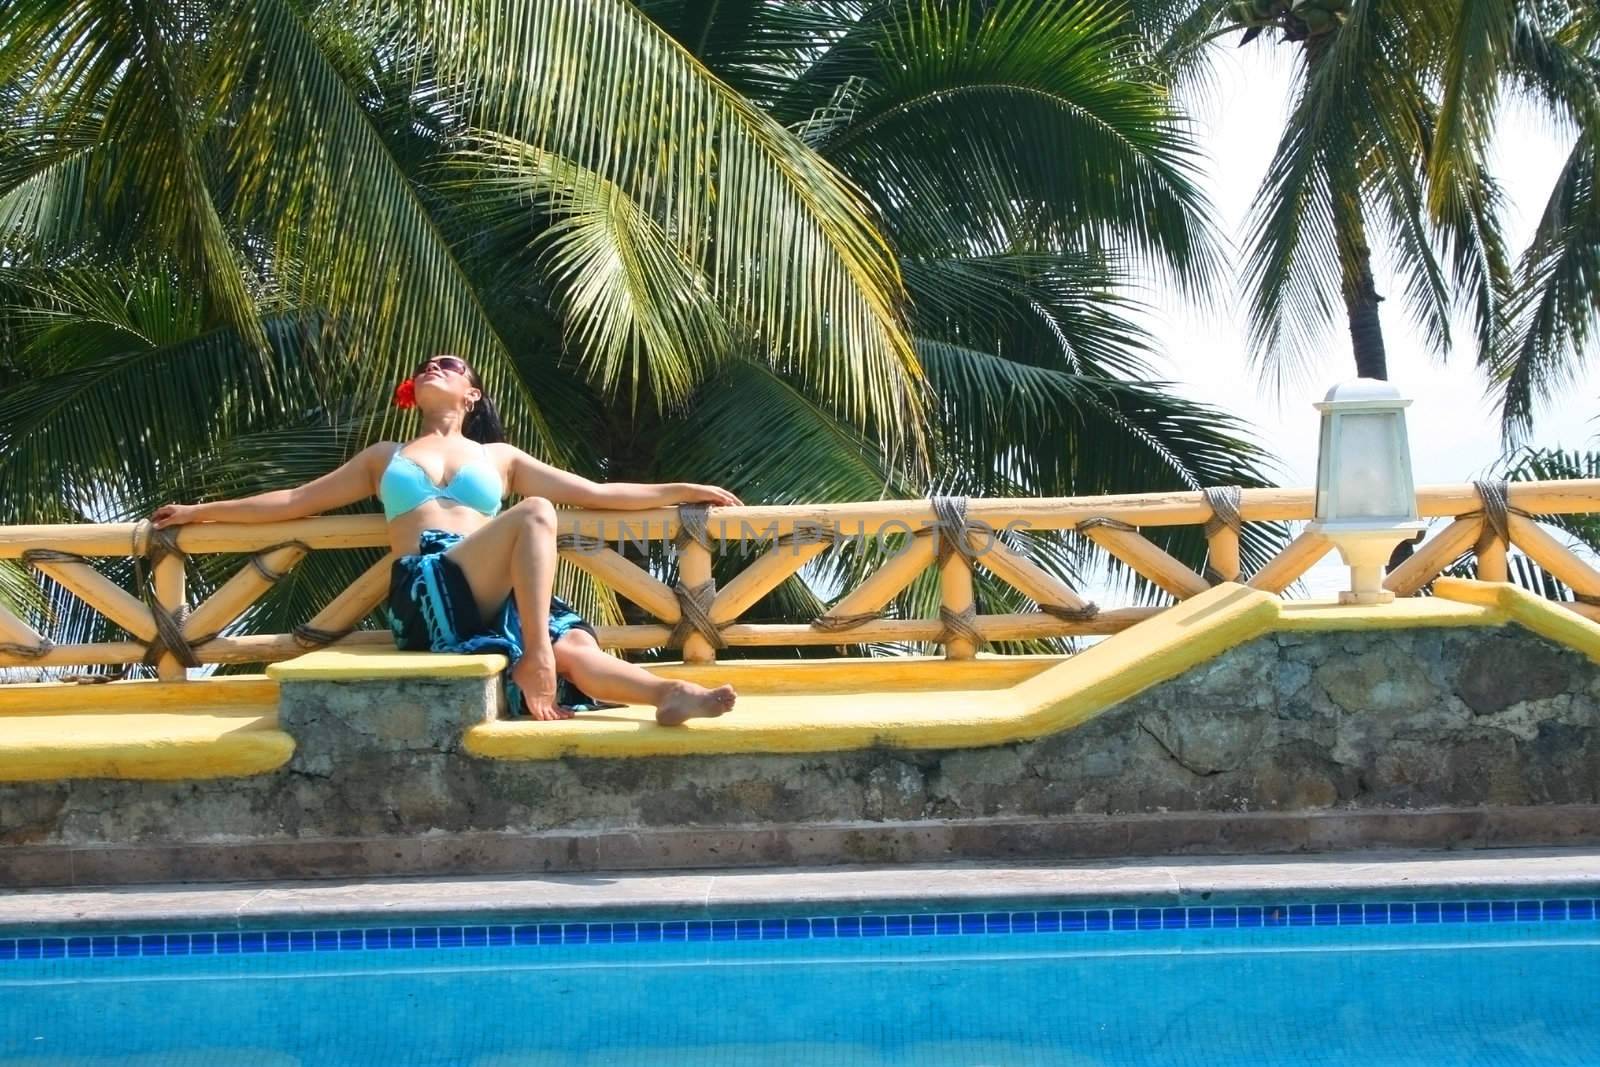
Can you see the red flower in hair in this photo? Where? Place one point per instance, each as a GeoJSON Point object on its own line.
{"type": "Point", "coordinates": [405, 394]}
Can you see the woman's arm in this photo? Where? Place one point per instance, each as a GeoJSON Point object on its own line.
{"type": "Point", "coordinates": [530, 477]}
{"type": "Point", "coordinates": [349, 483]}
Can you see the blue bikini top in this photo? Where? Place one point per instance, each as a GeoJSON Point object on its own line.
{"type": "Point", "coordinates": [405, 486]}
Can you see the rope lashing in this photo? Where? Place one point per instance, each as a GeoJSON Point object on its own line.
{"type": "Point", "coordinates": [1497, 509]}
{"type": "Point", "coordinates": [1104, 522]}
{"type": "Point", "coordinates": [307, 636]}
{"type": "Point", "coordinates": [577, 542]}
{"type": "Point", "coordinates": [694, 614]}
{"type": "Point", "coordinates": [692, 526]}
{"type": "Point", "coordinates": [961, 625]}
{"type": "Point", "coordinates": [44, 646]}
{"type": "Point", "coordinates": [1067, 613]}
{"type": "Point", "coordinates": [1224, 501]}
{"type": "Point", "coordinates": [840, 623]}
{"type": "Point", "coordinates": [951, 528]}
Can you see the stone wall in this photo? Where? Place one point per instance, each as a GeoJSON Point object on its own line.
{"type": "Point", "coordinates": [1285, 733]}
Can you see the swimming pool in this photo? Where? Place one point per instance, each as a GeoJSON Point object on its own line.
{"type": "Point", "coordinates": [1432, 982]}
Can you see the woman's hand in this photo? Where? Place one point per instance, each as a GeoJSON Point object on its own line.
{"type": "Point", "coordinates": [709, 494]}
{"type": "Point", "coordinates": [174, 515]}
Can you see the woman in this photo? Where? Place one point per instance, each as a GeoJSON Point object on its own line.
{"type": "Point", "coordinates": [468, 575]}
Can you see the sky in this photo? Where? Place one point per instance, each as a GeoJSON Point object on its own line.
{"type": "Point", "coordinates": [1453, 430]}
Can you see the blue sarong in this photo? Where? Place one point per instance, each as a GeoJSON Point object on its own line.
{"type": "Point", "coordinates": [432, 609]}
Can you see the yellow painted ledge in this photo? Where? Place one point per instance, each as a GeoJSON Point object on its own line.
{"type": "Point", "coordinates": [377, 664]}
{"type": "Point", "coordinates": [168, 745]}
{"type": "Point", "coordinates": [1056, 698]}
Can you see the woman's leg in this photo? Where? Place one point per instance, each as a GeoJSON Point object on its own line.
{"type": "Point", "coordinates": [515, 554]}
{"type": "Point", "coordinates": [606, 677]}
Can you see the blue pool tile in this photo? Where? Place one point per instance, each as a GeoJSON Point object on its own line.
{"type": "Point", "coordinates": [549, 933]}
{"type": "Point", "coordinates": [724, 930]}
{"type": "Point", "coordinates": [923, 925]}
{"type": "Point", "coordinates": [1529, 911]}
{"type": "Point", "coordinates": [1301, 915]}
{"type": "Point", "coordinates": [972, 923]}
{"type": "Point", "coordinates": [748, 930]}
{"type": "Point", "coordinates": [945, 924]}
{"type": "Point", "coordinates": [1124, 919]}
{"type": "Point", "coordinates": [625, 933]}
{"type": "Point", "coordinates": [826, 927]}
{"type": "Point", "coordinates": [8, 949]}
{"type": "Point", "coordinates": [1580, 910]}
{"type": "Point", "coordinates": [500, 935]}
{"type": "Point", "coordinates": [1554, 911]}
{"type": "Point", "coordinates": [1098, 920]}
{"type": "Point", "coordinates": [522, 935]}
{"type": "Point", "coordinates": [302, 941]}
{"type": "Point", "coordinates": [28, 948]}
{"type": "Point", "coordinates": [1456, 912]}
{"type": "Point", "coordinates": [54, 948]}
{"type": "Point", "coordinates": [800, 929]}
{"type": "Point", "coordinates": [600, 933]}
{"type": "Point", "coordinates": [1351, 914]}
{"type": "Point", "coordinates": [406, 937]}
{"type": "Point", "coordinates": [1278, 915]}
{"type": "Point", "coordinates": [1174, 918]}
{"type": "Point", "coordinates": [997, 922]}
{"type": "Point", "coordinates": [79, 947]}
{"type": "Point", "coordinates": [1402, 914]}
{"type": "Point", "coordinates": [675, 931]}
{"type": "Point", "coordinates": [328, 940]}
{"type": "Point", "coordinates": [574, 934]}
{"type": "Point", "coordinates": [278, 941]}
{"type": "Point", "coordinates": [1022, 922]}
{"type": "Point", "coordinates": [253, 942]}
{"type": "Point", "coordinates": [848, 926]}
{"type": "Point", "coordinates": [698, 930]}
{"type": "Point", "coordinates": [1500, 911]}
{"type": "Point", "coordinates": [650, 932]}
{"type": "Point", "coordinates": [1049, 922]}
{"type": "Point", "coordinates": [350, 940]}
{"type": "Point", "coordinates": [376, 939]}
{"type": "Point", "coordinates": [1427, 912]}
{"type": "Point", "coordinates": [1198, 918]}
{"type": "Point", "coordinates": [451, 937]}
{"type": "Point", "coordinates": [897, 925]}
{"type": "Point", "coordinates": [103, 946]}
{"type": "Point", "coordinates": [227, 945]}
{"type": "Point", "coordinates": [199, 945]}
{"type": "Point", "coordinates": [1250, 916]}
{"type": "Point", "coordinates": [775, 929]}
{"type": "Point", "coordinates": [475, 936]}
{"type": "Point", "coordinates": [1375, 914]}
{"type": "Point", "coordinates": [1226, 918]}
{"type": "Point", "coordinates": [1149, 918]}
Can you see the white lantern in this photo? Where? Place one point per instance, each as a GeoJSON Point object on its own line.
{"type": "Point", "coordinates": [1366, 503]}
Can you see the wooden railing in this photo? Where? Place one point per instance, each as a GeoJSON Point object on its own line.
{"type": "Point", "coordinates": [953, 535]}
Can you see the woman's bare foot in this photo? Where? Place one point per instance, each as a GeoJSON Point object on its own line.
{"type": "Point", "coordinates": [689, 701]}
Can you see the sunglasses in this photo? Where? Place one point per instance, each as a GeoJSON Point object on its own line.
{"type": "Point", "coordinates": [449, 364]}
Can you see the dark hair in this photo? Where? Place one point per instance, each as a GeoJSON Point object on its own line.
{"type": "Point", "coordinates": [482, 423]}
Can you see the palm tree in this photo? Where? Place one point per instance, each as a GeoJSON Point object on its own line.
{"type": "Point", "coordinates": [810, 250]}
{"type": "Point", "coordinates": [1372, 149]}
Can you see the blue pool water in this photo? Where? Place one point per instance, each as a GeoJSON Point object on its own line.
{"type": "Point", "coordinates": [1493, 983]}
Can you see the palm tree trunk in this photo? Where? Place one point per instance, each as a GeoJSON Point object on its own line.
{"type": "Point", "coordinates": [1360, 291]}
{"type": "Point", "coordinates": [1355, 255]}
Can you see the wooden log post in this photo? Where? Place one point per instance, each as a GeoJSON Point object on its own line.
{"type": "Point", "coordinates": [239, 592]}
{"type": "Point", "coordinates": [694, 570]}
{"type": "Point", "coordinates": [1145, 557]}
{"type": "Point", "coordinates": [172, 594]}
{"type": "Point", "coordinates": [956, 596]}
{"type": "Point", "coordinates": [1491, 554]}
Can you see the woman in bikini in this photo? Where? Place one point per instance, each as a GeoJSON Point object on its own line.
{"type": "Point", "coordinates": [470, 577]}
